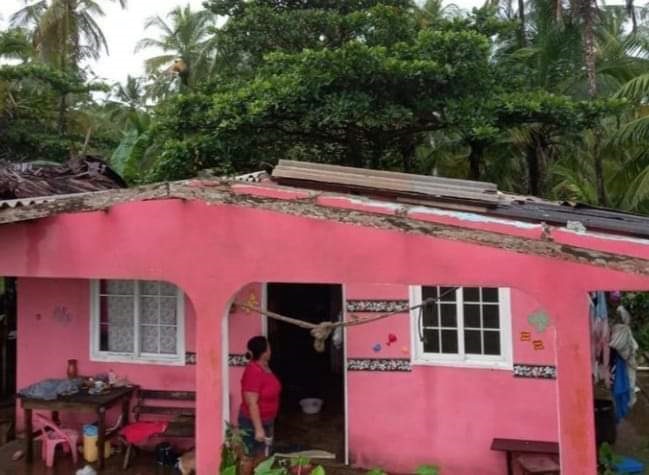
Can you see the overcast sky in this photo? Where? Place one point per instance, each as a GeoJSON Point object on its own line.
{"type": "Point", "coordinates": [124, 28]}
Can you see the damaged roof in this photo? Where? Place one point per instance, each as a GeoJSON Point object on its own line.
{"type": "Point", "coordinates": [400, 189]}
{"type": "Point", "coordinates": [43, 179]}
{"type": "Point", "coordinates": [460, 195]}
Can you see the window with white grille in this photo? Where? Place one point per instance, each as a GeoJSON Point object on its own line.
{"type": "Point", "coordinates": [464, 326]}
{"type": "Point", "coordinates": [137, 321]}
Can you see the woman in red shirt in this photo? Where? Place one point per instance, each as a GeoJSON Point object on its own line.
{"type": "Point", "coordinates": [260, 391]}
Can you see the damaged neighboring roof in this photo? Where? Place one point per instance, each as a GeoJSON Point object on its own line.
{"type": "Point", "coordinates": [21, 181]}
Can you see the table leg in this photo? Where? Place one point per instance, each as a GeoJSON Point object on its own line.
{"type": "Point", "coordinates": [29, 436]}
{"type": "Point", "coordinates": [56, 418]}
{"type": "Point", "coordinates": [510, 468]}
{"type": "Point", "coordinates": [126, 406]}
{"type": "Point", "coordinates": [101, 436]}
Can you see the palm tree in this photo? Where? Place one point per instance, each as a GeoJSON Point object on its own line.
{"type": "Point", "coordinates": [185, 41]}
{"type": "Point", "coordinates": [64, 33]}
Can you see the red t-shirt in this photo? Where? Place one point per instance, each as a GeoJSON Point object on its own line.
{"type": "Point", "coordinates": [257, 380]}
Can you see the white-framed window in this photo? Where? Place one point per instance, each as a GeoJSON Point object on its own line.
{"type": "Point", "coordinates": [137, 321]}
{"type": "Point", "coordinates": [468, 326]}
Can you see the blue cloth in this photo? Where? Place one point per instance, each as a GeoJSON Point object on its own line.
{"type": "Point", "coordinates": [50, 389]}
{"type": "Point", "coordinates": [628, 466]}
{"type": "Point", "coordinates": [621, 389]}
{"type": "Point", "coordinates": [599, 309]}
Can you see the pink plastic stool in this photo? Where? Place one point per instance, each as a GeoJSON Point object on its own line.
{"type": "Point", "coordinates": [54, 435]}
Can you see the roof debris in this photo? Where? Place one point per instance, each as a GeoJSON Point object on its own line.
{"type": "Point", "coordinates": [39, 179]}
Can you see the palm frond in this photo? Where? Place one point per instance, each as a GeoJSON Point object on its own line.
{"type": "Point", "coordinates": [28, 15]}
{"type": "Point", "coordinates": [635, 89]}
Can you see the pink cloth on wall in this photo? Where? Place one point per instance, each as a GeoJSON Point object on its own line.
{"type": "Point", "coordinates": [139, 432]}
{"type": "Point", "coordinates": [601, 334]}
{"type": "Point", "coordinates": [600, 337]}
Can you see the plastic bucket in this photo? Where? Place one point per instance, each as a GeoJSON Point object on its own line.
{"type": "Point", "coordinates": [90, 436]}
{"type": "Point", "coordinates": [311, 405]}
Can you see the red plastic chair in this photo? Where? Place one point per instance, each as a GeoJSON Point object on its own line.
{"type": "Point", "coordinates": [52, 436]}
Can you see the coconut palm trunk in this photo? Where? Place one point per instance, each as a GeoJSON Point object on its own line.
{"type": "Point", "coordinates": [521, 18]}
{"type": "Point", "coordinates": [589, 13]}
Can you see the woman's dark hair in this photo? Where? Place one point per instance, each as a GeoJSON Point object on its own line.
{"type": "Point", "coordinates": [257, 346]}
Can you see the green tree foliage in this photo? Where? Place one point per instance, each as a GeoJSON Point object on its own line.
{"type": "Point", "coordinates": [365, 84]}
{"type": "Point", "coordinates": [64, 33]}
{"type": "Point", "coordinates": [30, 93]}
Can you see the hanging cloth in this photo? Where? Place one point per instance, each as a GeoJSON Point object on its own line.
{"type": "Point", "coordinates": [600, 334]}
{"type": "Point", "coordinates": [623, 342]}
{"type": "Point", "coordinates": [621, 389]}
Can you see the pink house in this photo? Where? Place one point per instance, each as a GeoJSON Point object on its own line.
{"type": "Point", "coordinates": [149, 282]}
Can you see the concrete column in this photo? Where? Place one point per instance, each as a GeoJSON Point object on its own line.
{"type": "Point", "coordinates": [568, 307]}
{"type": "Point", "coordinates": [210, 306]}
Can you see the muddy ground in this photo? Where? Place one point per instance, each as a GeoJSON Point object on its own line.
{"type": "Point", "coordinates": [633, 432]}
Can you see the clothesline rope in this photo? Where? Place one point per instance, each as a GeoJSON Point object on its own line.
{"type": "Point", "coordinates": [321, 331]}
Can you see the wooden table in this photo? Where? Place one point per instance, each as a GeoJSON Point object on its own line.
{"type": "Point", "coordinates": [510, 446]}
{"type": "Point", "coordinates": [80, 402]}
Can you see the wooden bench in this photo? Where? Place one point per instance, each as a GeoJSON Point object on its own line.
{"type": "Point", "coordinates": [522, 446]}
{"type": "Point", "coordinates": [159, 404]}
{"type": "Point", "coordinates": [177, 407]}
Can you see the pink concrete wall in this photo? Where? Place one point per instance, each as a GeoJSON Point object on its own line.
{"type": "Point", "coordinates": [443, 415]}
{"type": "Point", "coordinates": [47, 339]}
{"type": "Point", "coordinates": [429, 409]}
{"type": "Point", "coordinates": [212, 250]}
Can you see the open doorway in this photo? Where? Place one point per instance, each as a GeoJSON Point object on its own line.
{"type": "Point", "coordinates": [304, 372]}
{"type": "Point", "coordinates": [8, 322]}
{"type": "Point", "coordinates": [620, 355]}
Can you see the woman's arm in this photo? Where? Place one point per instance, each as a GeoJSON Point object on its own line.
{"type": "Point", "coordinates": [252, 401]}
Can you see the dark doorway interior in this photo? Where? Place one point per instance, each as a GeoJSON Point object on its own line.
{"type": "Point", "coordinates": [306, 373]}
{"type": "Point", "coordinates": [8, 322]}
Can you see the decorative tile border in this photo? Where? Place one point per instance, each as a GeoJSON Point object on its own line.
{"type": "Point", "coordinates": [378, 306]}
{"type": "Point", "coordinates": [237, 360]}
{"type": "Point", "coordinates": [535, 371]}
{"type": "Point", "coordinates": [379, 364]}
{"type": "Point", "coordinates": [190, 358]}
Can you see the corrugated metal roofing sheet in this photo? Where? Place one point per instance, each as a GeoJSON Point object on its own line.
{"type": "Point", "coordinates": [24, 202]}
{"type": "Point", "coordinates": [590, 217]}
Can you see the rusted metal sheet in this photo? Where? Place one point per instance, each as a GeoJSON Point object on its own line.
{"type": "Point", "coordinates": [592, 219]}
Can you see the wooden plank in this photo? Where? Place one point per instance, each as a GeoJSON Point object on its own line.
{"type": "Point", "coordinates": [522, 445]}
{"type": "Point", "coordinates": [359, 179]}
{"type": "Point", "coordinates": [370, 173]}
{"type": "Point", "coordinates": [165, 410]}
{"type": "Point", "coordinates": [167, 395]}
